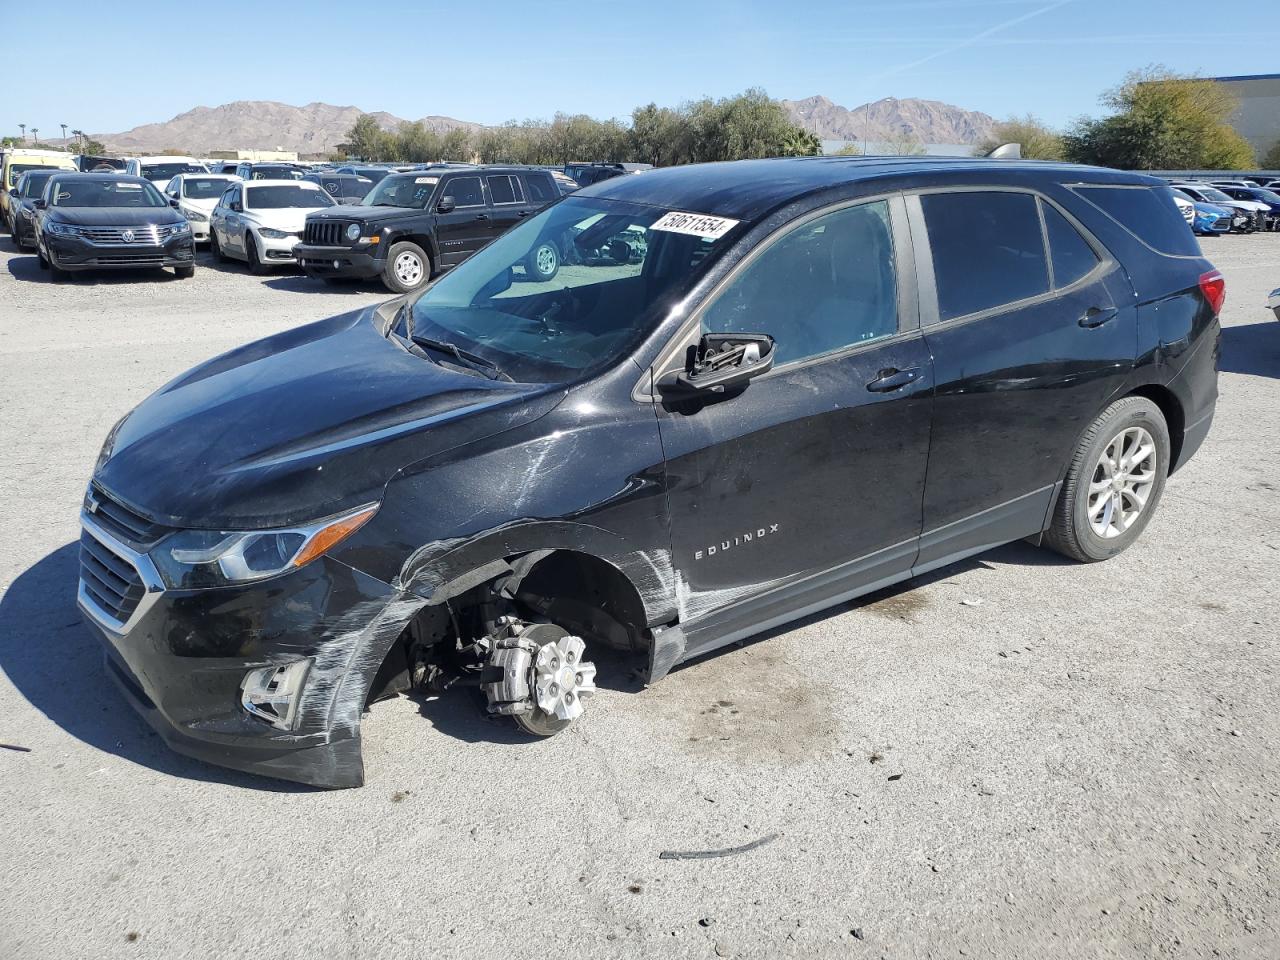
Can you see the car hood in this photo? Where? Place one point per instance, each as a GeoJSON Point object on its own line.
{"type": "Point", "coordinates": [365, 214]}
{"type": "Point", "coordinates": [116, 216]}
{"type": "Point", "coordinates": [300, 426]}
{"type": "Point", "coordinates": [204, 206]}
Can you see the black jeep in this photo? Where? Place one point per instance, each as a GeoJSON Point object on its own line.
{"type": "Point", "coordinates": [416, 225]}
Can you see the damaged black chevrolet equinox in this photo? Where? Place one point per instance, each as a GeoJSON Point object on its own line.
{"type": "Point", "coordinates": [754, 390]}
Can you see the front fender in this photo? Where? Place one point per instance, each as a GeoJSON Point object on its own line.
{"type": "Point", "coordinates": [440, 570]}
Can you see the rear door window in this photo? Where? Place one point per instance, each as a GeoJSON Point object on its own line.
{"type": "Point", "coordinates": [505, 189]}
{"type": "Point", "coordinates": [1149, 214]}
{"type": "Point", "coordinates": [1070, 254]}
{"type": "Point", "coordinates": [466, 192]}
{"type": "Point", "coordinates": [988, 250]}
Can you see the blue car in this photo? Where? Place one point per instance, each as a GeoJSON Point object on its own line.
{"type": "Point", "coordinates": [1209, 219]}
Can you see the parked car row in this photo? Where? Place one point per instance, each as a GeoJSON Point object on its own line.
{"type": "Point", "coordinates": [1248, 205]}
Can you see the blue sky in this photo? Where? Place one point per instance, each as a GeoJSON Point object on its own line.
{"type": "Point", "coordinates": [108, 67]}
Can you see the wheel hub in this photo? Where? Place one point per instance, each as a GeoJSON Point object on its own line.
{"type": "Point", "coordinates": [561, 679]}
{"type": "Point", "coordinates": [1122, 481]}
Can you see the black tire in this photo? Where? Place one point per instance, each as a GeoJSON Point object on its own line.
{"type": "Point", "coordinates": [185, 273]}
{"type": "Point", "coordinates": [543, 263]}
{"type": "Point", "coordinates": [44, 264]}
{"type": "Point", "coordinates": [1071, 532]}
{"type": "Point", "coordinates": [215, 249]}
{"type": "Point", "coordinates": [256, 266]}
{"type": "Point", "coordinates": [399, 268]}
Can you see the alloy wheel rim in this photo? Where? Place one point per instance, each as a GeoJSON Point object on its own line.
{"type": "Point", "coordinates": [546, 259]}
{"type": "Point", "coordinates": [1122, 481]}
{"type": "Point", "coordinates": [408, 269]}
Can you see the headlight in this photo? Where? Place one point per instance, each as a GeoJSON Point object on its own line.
{"type": "Point", "coordinates": [274, 234]}
{"type": "Point", "coordinates": [109, 444]}
{"type": "Point", "coordinates": [192, 559]}
{"type": "Point", "coordinates": [180, 227]}
{"type": "Point", "coordinates": [353, 232]}
{"type": "Point", "coordinates": [194, 215]}
{"type": "Point", "coordinates": [60, 228]}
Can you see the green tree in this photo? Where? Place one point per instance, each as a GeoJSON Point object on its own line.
{"type": "Point", "coordinates": [366, 139]}
{"type": "Point", "coordinates": [1038, 140]}
{"type": "Point", "coordinates": [1161, 121]}
{"type": "Point", "coordinates": [416, 144]}
{"type": "Point", "coordinates": [91, 147]}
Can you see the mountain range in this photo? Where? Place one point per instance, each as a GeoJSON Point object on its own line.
{"type": "Point", "coordinates": [319, 127]}
{"type": "Point", "coordinates": [929, 121]}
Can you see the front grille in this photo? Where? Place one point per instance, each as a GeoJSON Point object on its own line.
{"type": "Point", "coordinates": [111, 581]}
{"type": "Point", "coordinates": [325, 233]}
{"type": "Point", "coordinates": [139, 260]}
{"type": "Point", "coordinates": [144, 233]}
{"type": "Point", "coordinates": [1222, 223]}
{"type": "Point", "coordinates": [120, 521]}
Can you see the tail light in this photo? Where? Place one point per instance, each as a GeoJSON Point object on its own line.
{"type": "Point", "coordinates": [1214, 288]}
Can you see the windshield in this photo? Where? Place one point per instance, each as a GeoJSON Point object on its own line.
{"type": "Point", "coordinates": [1267, 195]}
{"type": "Point", "coordinates": [167, 171]}
{"type": "Point", "coordinates": [402, 190]}
{"type": "Point", "coordinates": [1211, 194]}
{"type": "Point", "coordinates": [376, 174]}
{"type": "Point", "coordinates": [616, 278]}
{"type": "Point", "coordinates": [92, 192]}
{"type": "Point", "coordinates": [275, 173]}
{"type": "Point", "coordinates": [17, 169]}
{"type": "Point", "coordinates": [34, 185]}
{"type": "Point", "coordinates": [204, 188]}
{"type": "Point", "coordinates": [284, 197]}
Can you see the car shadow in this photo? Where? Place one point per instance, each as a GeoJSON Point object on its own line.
{"type": "Point", "coordinates": [301, 283]}
{"type": "Point", "coordinates": [1252, 349]}
{"type": "Point", "coordinates": [25, 266]}
{"type": "Point", "coordinates": [51, 658]}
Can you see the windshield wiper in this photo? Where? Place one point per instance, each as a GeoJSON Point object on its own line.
{"type": "Point", "coordinates": [464, 357]}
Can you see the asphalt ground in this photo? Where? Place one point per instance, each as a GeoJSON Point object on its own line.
{"type": "Point", "coordinates": [1014, 757]}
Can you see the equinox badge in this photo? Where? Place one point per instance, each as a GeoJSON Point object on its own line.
{"type": "Point", "coordinates": [739, 540]}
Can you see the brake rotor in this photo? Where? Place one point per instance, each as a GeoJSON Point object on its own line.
{"type": "Point", "coordinates": [539, 677]}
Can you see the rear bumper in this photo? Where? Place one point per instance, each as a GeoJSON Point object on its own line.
{"type": "Point", "coordinates": [318, 261]}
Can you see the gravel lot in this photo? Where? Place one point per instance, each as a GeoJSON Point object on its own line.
{"type": "Point", "coordinates": [1013, 757]}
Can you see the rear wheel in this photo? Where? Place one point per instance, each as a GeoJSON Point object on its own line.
{"type": "Point", "coordinates": [1114, 483]}
{"type": "Point", "coordinates": [256, 265]}
{"type": "Point", "coordinates": [544, 262]}
{"type": "Point", "coordinates": [408, 268]}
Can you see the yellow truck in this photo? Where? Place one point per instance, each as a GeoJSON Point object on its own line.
{"type": "Point", "coordinates": [14, 161]}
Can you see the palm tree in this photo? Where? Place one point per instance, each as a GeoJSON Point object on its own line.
{"type": "Point", "coordinates": [64, 133]}
{"type": "Point", "coordinates": [35, 136]}
{"type": "Point", "coordinates": [23, 128]}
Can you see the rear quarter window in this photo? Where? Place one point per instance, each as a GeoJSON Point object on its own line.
{"type": "Point", "coordinates": [1148, 213]}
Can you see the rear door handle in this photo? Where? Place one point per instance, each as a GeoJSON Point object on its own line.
{"type": "Point", "coordinates": [893, 379]}
{"type": "Point", "coordinates": [482, 216]}
{"type": "Point", "coordinates": [1095, 318]}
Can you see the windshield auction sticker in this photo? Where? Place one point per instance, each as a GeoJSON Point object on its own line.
{"type": "Point", "coordinates": [695, 225]}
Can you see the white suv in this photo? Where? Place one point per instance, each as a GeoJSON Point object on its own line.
{"type": "Point", "coordinates": [196, 195]}
{"type": "Point", "coordinates": [160, 170]}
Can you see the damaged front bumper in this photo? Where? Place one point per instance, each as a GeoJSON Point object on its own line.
{"type": "Point", "coordinates": [182, 657]}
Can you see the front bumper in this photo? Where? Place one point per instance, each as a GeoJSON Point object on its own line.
{"type": "Point", "coordinates": [323, 261]}
{"type": "Point", "coordinates": [180, 658]}
{"type": "Point", "coordinates": [73, 253]}
{"type": "Point", "coordinates": [278, 250]}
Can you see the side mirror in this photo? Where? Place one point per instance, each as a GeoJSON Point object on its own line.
{"type": "Point", "coordinates": [720, 362]}
{"type": "Point", "coordinates": [235, 206]}
{"type": "Point", "coordinates": [173, 201]}
{"type": "Point", "coordinates": [39, 203]}
{"type": "Point", "coordinates": [446, 205]}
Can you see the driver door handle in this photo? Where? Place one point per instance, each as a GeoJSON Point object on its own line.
{"type": "Point", "coordinates": [893, 379]}
{"type": "Point", "coordinates": [1095, 317]}
{"type": "Point", "coordinates": [482, 216]}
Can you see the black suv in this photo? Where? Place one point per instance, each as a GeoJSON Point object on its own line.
{"type": "Point", "coordinates": [761, 389]}
{"type": "Point", "coordinates": [417, 225]}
